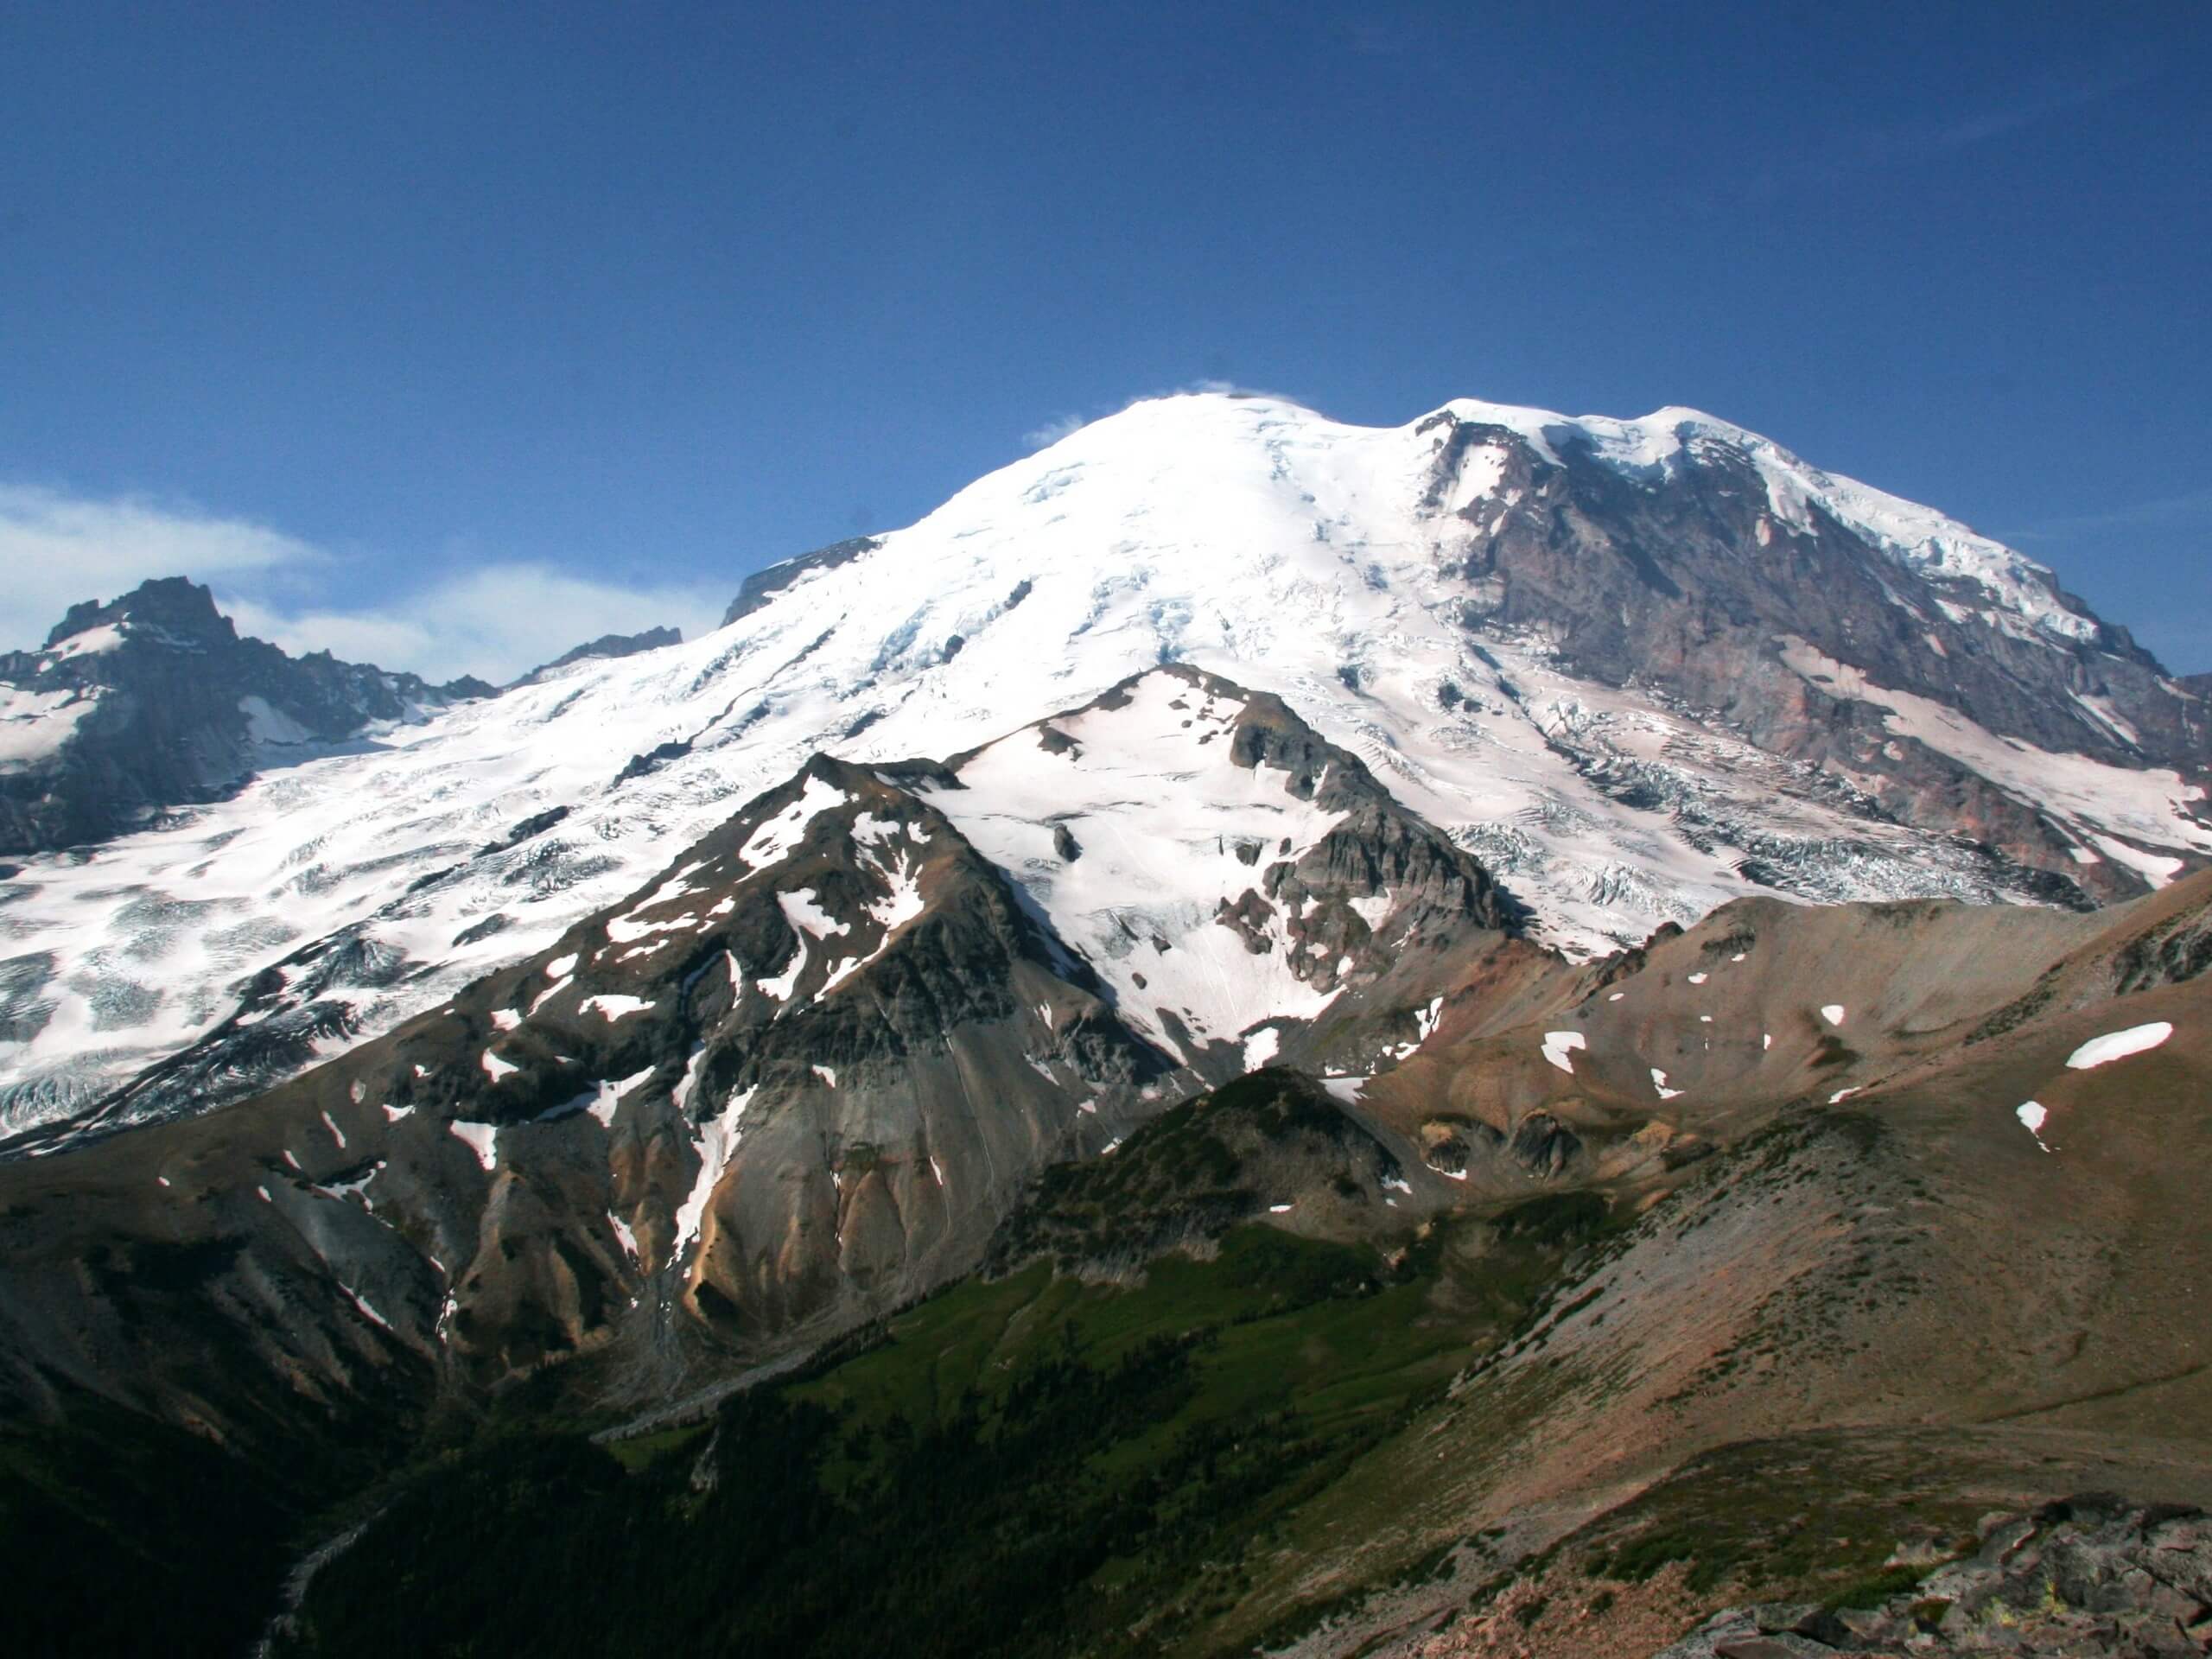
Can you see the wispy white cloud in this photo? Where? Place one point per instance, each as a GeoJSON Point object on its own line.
{"type": "Point", "coordinates": [56, 549]}
{"type": "Point", "coordinates": [2188, 511]}
{"type": "Point", "coordinates": [496, 620]}
{"type": "Point", "coordinates": [1846, 150]}
{"type": "Point", "coordinates": [1052, 431]}
{"type": "Point", "coordinates": [1235, 389]}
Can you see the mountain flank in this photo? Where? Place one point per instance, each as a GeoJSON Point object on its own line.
{"type": "Point", "coordinates": [1635, 670]}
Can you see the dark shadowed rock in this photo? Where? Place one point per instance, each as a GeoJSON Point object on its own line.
{"type": "Point", "coordinates": [154, 701]}
{"type": "Point", "coordinates": [607, 645]}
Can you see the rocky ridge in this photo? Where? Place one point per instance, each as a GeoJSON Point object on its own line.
{"type": "Point", "coordinates": [153, 700]}
{"type": "Point", "coordinates": [607, 647]}
{"type": "Point", "coordinates": [2084, 1575]}
{"type": "Point", "coordinates": [797, 1079]}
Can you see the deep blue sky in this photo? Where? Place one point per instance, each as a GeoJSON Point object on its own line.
{"type": "Point", "coordinates": [655, 294]}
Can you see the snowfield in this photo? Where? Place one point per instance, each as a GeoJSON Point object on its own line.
{"type": "Point", "coordinates": [1245, 536]}
{"type": "Point", "coordinates": [2118, 1045]}
{"type": "Point", "coordinates": [1156, 857]}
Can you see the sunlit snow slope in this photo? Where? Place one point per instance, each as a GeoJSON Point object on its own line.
{"type": "Point", "coordinates": [1336, 566]}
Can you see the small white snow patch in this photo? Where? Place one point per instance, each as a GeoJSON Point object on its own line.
{"type": "Point", "coordinates": [784, 983]}
{"type": "Point", "coordinates": [393, 1114]}
{"type": "Point", "coordinates": [2119, 1045]}
{"type": "Point", "coordinates": [615, 1006]}
{"type": "Point", "coordinates": [2032, 1116]}
{"type": "Point", "coordinates": [1109, 1147]}
{"type": "Point", "coordinates": [164, 1180]}
{"type": "Point", "coordinates": [1659, 1082]}
{"type": "Point", "coordinates": [776, 837]}
{"type": "Point", "coordinates": [1705, 1019]}
{"type": "Point", "coordinates": [802, 913]}
{"type": "Point", "coordinates": [1699, 979]}
{"type": "Point", "coordinates": [289, 1159]}
{"type": "Point", "coordinates": [367, 1312]}
{"type": "Point", "coordinates": [1739, 956]}
{"type": "Point", "coordinates": [482, 1139]}
{"type": "Point", "coordinates": [505, 1019]}
{"type": "Point", "coordinates": [1617, 996]}
{"type": "Point", "coordinates": [621, 1230]}
{"type": "Point", "coordinates": [495, 1068]}
{"type": "Point", "coordinates": [609, 1095]}
{"type": "Point", "coordinates": [1766, 1040]}
{"type": "Point", "coordinates": [1833, 1012]}
{"type": "Point", "coordinates": [358, 1188]}
{"type": "Point", "coordinates": [681, 1093]}
{"type": "Point", "coordinates": [266, 1198]}
{"type": "Point", "coordinates": [1843, 1094]}
{"type": "Point", "coordinates": [1261, 1047]}
{"type": "Point", "coordinates": [1374, 909]}
{"type": "Point", "coordinates": [561, 967]}
{"type": "Point", "coordinates": [937, 1169]}
{"type": "Point", "coordinates": [1278, 1209]}
{"type": "Point", "coordinates": [827, 1074]}
{"type": "Point", "coordinates": [1344, 1089]}
{"type": "Point", "coordinates": [717, 1143]}
{"type": "Point", "coordinates": [1558, 1044]}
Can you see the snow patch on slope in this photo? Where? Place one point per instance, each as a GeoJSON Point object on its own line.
{"type": "Point", "coordinates": [1158, 808]}
{"type": "Point", "coordinates": [2120, 1045]}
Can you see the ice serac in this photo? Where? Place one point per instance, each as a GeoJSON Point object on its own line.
{"type": "Point", "coordinates": [153, 702]}
{"type": "Point", "coordinates": [1636, 669]}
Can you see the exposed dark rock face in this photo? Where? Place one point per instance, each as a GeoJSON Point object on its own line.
{"type": "Point", "coordinates": [153, 700]}
{"type": "Point", "coordinates": [607, 645]}
{"type": "Point", "coordinates": [764, 585]}
{"type": "Point", "coordinates": [1686, 581]}
{"type": "Point", "coordinates": [795, 1082]}
{"type": "Point", "coordinates": [1273, 1142]}
{"type": "Point", "coordinates": [2089, 1575]}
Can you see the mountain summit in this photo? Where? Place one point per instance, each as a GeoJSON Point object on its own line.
{"type": "Point", "coordinates": [1634, 667]}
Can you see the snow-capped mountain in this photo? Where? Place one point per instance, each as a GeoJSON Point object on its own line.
{"type": "Point", "coordinates": [154, 701]}
{"type": "Point", "coordinates": [1634, 667]}
{"type": "Point", "coordinates": [802, 1074]}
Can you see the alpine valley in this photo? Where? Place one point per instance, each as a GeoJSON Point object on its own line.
{"type": "Point", "coordinates": [1509, 1035]}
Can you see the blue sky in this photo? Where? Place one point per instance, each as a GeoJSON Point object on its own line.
{"type": "Point", "coordinates": [439, 334]}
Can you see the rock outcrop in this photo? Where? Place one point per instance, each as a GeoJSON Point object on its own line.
{"type": "Point", "coordinates": [153, 700]}
{"type": "Point", "coordinates": [2088, 1575]}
